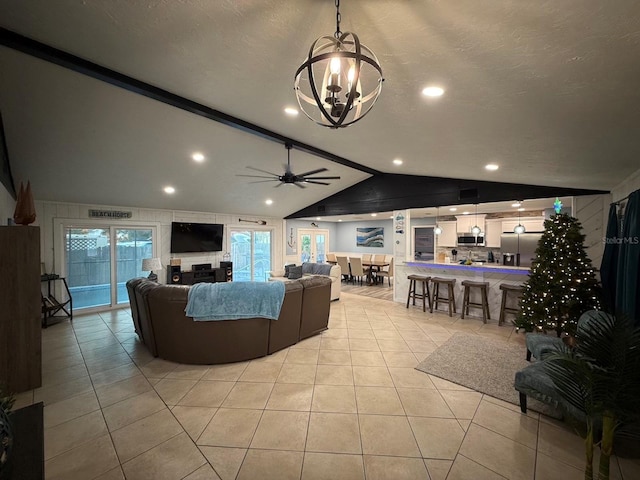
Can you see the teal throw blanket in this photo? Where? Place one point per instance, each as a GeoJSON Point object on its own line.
{"type": "Point", "coordinates": [235, 300]}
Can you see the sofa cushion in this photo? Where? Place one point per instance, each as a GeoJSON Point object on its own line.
{"type": "Point", "coordinates": [316, 268]}
{"type": "Point", "coordinates": [294, 273]}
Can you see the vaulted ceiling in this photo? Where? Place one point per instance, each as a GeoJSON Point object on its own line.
{"type": "Point", "coordinates": [547, 90]}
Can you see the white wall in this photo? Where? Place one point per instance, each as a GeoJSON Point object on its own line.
{"type": "Point", "coordinates": [630, 185]}
{"type": "Point", "coordinates": [592, 211]}
{"type": "Point", "coordinates": [7, 205]}
{"type": "Point", "coordinates": [51, 214]}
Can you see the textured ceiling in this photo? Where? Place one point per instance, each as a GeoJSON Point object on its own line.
{"type": "Point", "coordinates": [548, 90]}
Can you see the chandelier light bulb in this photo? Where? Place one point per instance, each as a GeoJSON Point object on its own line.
{"type": "Point", "coordinates": [335, 65]}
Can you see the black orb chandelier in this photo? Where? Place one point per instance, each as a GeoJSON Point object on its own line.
{"type": "Point", "coordinates": [340, 80]}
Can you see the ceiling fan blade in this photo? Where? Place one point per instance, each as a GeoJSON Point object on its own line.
{"type": "Point", "coordinates": [322, 178]}
{"type": "Point", "coordinates": [265, 181]}
{"type": "Point", "coordinates": [312, 172]}
{"type": "Point", "coordinates": [263, 171]}
{"type": "Point", "coordinates": [258, 176]}
{"type": "Point", "coordinates": [299, 185]}
{"type": "Point", "coordinates": [318, 183]}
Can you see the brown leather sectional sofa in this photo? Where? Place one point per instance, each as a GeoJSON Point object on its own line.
{"type": "Point", "coordinates": [160, 322]}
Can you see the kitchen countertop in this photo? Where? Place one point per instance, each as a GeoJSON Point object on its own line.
{"type": "Point", "coordinates": [481, 267]}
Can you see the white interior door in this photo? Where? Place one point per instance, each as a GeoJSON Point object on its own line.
{"type": "Point", "coordinates": [313, 245]}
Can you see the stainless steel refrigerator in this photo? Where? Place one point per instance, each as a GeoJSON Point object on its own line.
{"type": "Point", "coordinates": [525, 244]}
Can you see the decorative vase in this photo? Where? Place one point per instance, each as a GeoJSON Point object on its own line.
{"type": "Point", "coordinates": [25, 212]}
{"type": "Point", "coordinates": [6, 439]}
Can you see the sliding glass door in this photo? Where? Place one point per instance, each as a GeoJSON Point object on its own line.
{"type": "Point", "coordinates": [250, 254]}
{"type": "Point", "coordinates": [100, 259]}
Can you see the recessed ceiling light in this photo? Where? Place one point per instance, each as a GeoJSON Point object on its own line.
{"type": "Point", "coordinates": [198, 157]}
{"type": "Point", "coordinates": [432, 92]}
{"type": "Point", "coordinates": [492, 167]}
{"type": "Point", "coordinates": [318, 218]}
{"type": "Point", "coordinates": [169, 190]}
{"type": "Point", "coordinates": [374, 214]}
{"type": "Point", "coordinates": [268, 201]}
{"type": "Point", "coordinates": [465, 213]}
{"type": "Point", "coordinates": [521, 209]}
{"type": "Point", "coordinates": [453, 209]}
{"type": "Point", "coordinates": [291, 111]}
{"type": "Point", "coordinates": [516, 204]}
{"type": "Point", "coordinates": [339, 219]}
{"type": "Point", "coordinates": [391, 217]}
{"type": "Point", "coordinates": [397, 161]}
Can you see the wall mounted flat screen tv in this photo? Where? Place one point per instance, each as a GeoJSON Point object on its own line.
{"type": "Point", "coordinates": [196, 237]}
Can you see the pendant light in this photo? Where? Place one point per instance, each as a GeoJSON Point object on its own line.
{"type": "Point", "coordinates": [476, 230]}
{"type": "Point", "coordinates": [437, 229]}
{"type": "Point", "coordinates": [519, 228]}
{"type": "Point", "coordinates": [340, 80]}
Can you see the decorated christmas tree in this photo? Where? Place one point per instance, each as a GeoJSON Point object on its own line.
{"type": "Point", "coordinates": [562, 284]}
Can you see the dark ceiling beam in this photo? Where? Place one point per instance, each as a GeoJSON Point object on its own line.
{"type": "Point", "coordinates": [388, 192]}
{"type": "Point", "coordinates": [59, 57]}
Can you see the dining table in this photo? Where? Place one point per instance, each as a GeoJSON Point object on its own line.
{"type": "Point", "coordinates": [374, 266]}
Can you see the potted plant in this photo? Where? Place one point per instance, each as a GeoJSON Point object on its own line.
{"type": "Point", "coordinates": [600, 377]}
{"type": "Point", "coordinates": [6, 434]}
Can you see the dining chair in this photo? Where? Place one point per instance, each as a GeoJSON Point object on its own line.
{"type": "Point", "coordinates": [387, 273]}
{"type": "Point", "coordinates": [357, 272]}
{"type": "Point", "coordinates": [345, 267]}
{"type": "Point", "coordinates": [379, 258]}
{"type": "Point", "coordinates": [331, 258]}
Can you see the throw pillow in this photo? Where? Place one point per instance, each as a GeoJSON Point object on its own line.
{"type": "Point", "coordinates": [287, 267]}
{"type": "Point", "coordinates": [295, 272]}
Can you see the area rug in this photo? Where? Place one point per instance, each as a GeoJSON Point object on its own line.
{"type": "Point", "coordinates": [482, 364]}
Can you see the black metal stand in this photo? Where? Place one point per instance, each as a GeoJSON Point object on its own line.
{"type": "Point", "coordinates": [51, 306]}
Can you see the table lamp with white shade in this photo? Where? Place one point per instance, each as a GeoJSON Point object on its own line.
{"type": "Point", "coordinates": [149, 265]}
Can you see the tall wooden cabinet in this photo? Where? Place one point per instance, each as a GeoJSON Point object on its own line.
{"type": "Point", "coordinates": [20, 309]}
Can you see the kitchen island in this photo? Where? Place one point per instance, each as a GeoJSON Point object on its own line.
{"type": "Point", "coordinates": [493, 273]}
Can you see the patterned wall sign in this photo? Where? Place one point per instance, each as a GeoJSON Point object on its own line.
{"type": "Point", "coordinates": [109, 214]}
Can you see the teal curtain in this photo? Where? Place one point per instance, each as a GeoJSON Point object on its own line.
{"type": "Point", "coordinates": [628, 277]}
{"type": "Point", "coordinates": [609, 265]}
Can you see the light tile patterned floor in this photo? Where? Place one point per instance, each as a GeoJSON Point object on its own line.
{"type": "Point", "coordinates": [344, 405]}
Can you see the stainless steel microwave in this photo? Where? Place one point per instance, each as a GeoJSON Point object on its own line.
{"type": "Point", "coordinates": [469, 240]}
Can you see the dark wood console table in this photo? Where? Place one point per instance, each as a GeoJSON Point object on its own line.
{"type": "Point", "coordinates": [212, 275]}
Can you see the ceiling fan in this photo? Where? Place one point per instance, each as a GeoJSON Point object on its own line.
{"type": "Point", "coordinates": [290, 178]}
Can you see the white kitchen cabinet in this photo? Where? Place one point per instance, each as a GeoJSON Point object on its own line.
{"type": "Point", "coordinates": [531, 224]}
{"type": "Point", "coordinates": [449, 235]}
{"type": "Point", "coordinates": [467, 222]}
{"type": "Point", "coordinates": [492, 233]}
